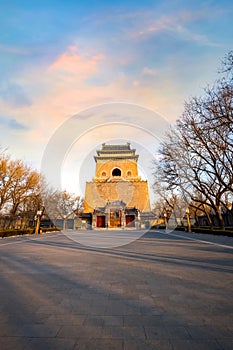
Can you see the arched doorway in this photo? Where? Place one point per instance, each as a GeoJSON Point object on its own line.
{"type": "Point", "coordinates": [116, 172]}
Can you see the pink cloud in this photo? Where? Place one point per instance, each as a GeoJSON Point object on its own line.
{"type": "Point", "coordinates": [65, 90]}
{"type": "Point", "coordinates": [72, 62]}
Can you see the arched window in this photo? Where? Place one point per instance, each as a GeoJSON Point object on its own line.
{"type": "Point", "coordinates": [129, 173]}
{"type": "Point", "coordinates": [116, 172]}
{"type": "Point", "coordinates": [104, 173]}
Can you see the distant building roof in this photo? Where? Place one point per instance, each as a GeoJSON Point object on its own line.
{"type": "Point", "coordinates": [122, 151]}
{"type": "Point", "coordinates": [116, 147]}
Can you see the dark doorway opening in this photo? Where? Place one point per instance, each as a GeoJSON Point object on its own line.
{"type": "Point", "coordinates": [116, 172]}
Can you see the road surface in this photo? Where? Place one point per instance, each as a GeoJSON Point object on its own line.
{"type": "Point", "coordinates": [162, 291]}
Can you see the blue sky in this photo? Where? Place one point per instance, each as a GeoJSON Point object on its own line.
{"type": "Point", "coordinates": [58, 58]}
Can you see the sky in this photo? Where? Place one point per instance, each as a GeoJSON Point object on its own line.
{"type": "Point", "coordinates": [64, 58]}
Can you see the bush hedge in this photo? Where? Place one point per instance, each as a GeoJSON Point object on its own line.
{"type": "Point", "coordinates": [207, 230]}
{"type": "Point", "coordinates": [9, 233]}
{"type": "Point", "coordinates": [216, 231]}
{"type": "Point", "coordinates": [28, 231]}
{"type": "Point", "coordinates": [50, 229]}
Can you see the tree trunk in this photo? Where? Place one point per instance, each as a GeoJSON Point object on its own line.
{"type": "Point", "coordinates": [220, 218]}
{"type": "Point", "coordinates": [64, 224]}
{"type": "Point", "coordinates": [209, 219]}
{"type": "Point", "coordinates": [196, 219]}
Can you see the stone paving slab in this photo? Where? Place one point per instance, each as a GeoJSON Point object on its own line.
{"type": "Point", "coordinates": [9, 343]}
{"type": "Point", "coordinates": [50, 344]}
{"type": "Point", "coordinates": [195, 345]}
{"type": "Point", "coordinates": [163, 291]}
{"type": "Point", "coordinates": [147, 345]}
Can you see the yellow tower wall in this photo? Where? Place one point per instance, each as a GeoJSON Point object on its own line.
{"type": "Point", "coordinates": [126, 166]}
{"type": "Point", "coordinates": [133, 193]}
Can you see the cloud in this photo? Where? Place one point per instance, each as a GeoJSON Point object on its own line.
{"type": "Point", "coordinates": [72, 63]}
{"type": "Point", "coordinates": [200, 39]}
{"type": "Point", "coordinates": [175, 23]}
{"type": "Point", "coordinates": [12, 124]}
{"type": "Point", "coordinates": [149, 72]}
{"type": "Point", "coordinates": [68, 85]}
{"type": "Point", "coordinates": [15, 95]}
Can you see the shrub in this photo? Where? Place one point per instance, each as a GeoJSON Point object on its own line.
{"type": "Point", "coordinates": [14, 232]}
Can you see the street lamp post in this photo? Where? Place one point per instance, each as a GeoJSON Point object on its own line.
{"type": "Point", "coordinates": [165, 220]}
{"type": "Point", "coordinates": [38, 219]}
{"type": "Point", "coordinates": [189, 229]}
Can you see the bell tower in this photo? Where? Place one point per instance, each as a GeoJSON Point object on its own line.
{"type": "Point", "coordinates": [116, 180]}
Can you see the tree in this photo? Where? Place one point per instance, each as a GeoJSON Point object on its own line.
{"type": "Point", "coordinates": [19, 187]}
{"type": "Point", "coordinates": [24, 185]}
{"type": "Point", "coordinates": [23, 191]}
{"type": "Point", "coordinates": [4, 180]}
{"type": "Point", "coordinates": [61, 205]}
{"type": "Point", "coordinates": [170, 205]}
{"type": "Point", "coordinates": [197, 153]}
{"type": "Point", "coordinates": [227, 65]}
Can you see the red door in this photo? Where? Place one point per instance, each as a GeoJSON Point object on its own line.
{"type": "Point", "coordinates": [100, 221]}
{"type": "Point", "coordinates": [130, 220]}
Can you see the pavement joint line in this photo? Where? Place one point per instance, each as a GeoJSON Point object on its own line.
{"type": "Point", "coordinates": [198, 240]}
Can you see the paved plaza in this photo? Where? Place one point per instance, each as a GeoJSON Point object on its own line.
{"type": "Point", "coordinates": [163, 291]}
